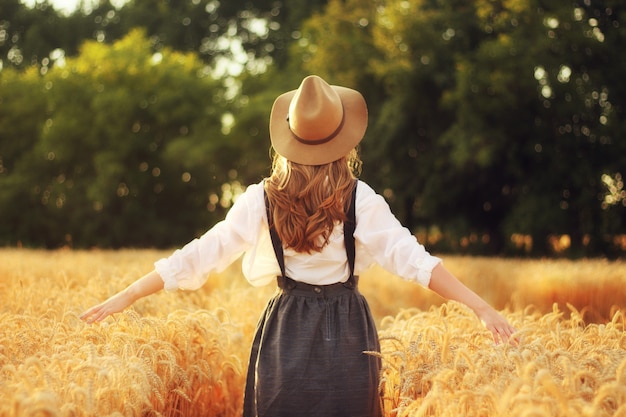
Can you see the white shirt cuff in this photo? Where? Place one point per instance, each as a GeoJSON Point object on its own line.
{"type": "Point", "coordinates": [167, 273]}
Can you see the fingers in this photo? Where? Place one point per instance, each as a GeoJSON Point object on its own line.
{"type": "Point", "coordinates": [94, 314]}
{"type": "Point", "coordinates": [114, 304]}
{"type": "Point", "coordinates": [504, 334]}
{"type": "Point", "coordinates": [499, 327]}
{"type": "Point", "coordinates": [87, 315]}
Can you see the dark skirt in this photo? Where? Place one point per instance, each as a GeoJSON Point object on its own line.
{"type": "Point", "coordinates": [308, 355]}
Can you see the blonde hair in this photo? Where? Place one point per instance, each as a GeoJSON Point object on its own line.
{"type": "Point", "coordinates": [307, 200]}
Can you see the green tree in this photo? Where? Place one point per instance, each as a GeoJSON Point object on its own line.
{"type": "Point", "coordinates": [26, 35]}
{"type": "Point", "coordinates": [106, 167]}
{"type": "Point", "coordinates": [252, 34]}
{"type": "Point", "coordinates": [548, 115]}
{"type": "Point", "coordinates": [22, 114]}
{"type": "Point", "coordinates": [495, 118]}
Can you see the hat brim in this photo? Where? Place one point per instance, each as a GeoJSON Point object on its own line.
{"type": "Point", "coordinates": [287, 145]}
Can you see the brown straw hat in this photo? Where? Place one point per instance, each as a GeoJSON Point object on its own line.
{"type": "Point", "coordinates": [317, 123]}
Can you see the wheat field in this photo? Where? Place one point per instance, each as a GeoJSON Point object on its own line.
{"type": "Point", "coordinates": [186, 353]}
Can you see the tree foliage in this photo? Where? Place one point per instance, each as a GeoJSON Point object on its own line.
{"type": "Point", "coordinates": [254, 34]}
{"type": "Point", "coordinates": [497, 118]}
{"type": "Point", "coordinates": [124, 145]}
{"type": "Point", "coordinates": [493, 124]}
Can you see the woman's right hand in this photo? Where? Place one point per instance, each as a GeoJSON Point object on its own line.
{"type": "Point", "coordinates": [146, 285]}
{"type": "Point", "coordinates": [114, 304]}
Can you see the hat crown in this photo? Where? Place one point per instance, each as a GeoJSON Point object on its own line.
{"type": "Point", "coordinates": [315, 112]}
{"type": "Point", "coordinates": [318, 123]}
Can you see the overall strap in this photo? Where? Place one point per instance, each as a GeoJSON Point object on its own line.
{"type": "Point", "coordinates": [348, 234]}
{"type": "Point", "coordinates": [348, 231]}
{"type": "Point", "coordinates": [276, 243]}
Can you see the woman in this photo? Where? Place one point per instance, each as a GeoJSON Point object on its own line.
{"type": "Point", "coordinates": [310, 227]}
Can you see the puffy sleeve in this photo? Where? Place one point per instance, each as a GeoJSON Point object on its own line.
{"type": "Point", "coordinates": [383, 239]}
{"type": "Point", "coordinates": [189, 267]}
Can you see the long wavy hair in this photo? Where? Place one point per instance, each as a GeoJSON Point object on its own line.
{"type": "Point", "coordinates": [306, 201]}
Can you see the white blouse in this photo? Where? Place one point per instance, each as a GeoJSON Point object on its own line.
{"type": "Point", "coordinates": [379, 238]}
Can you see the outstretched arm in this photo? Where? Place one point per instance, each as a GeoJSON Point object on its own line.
{"type": "Point", "coordinates": [448, 286]}
{"type": "Point", "coordinates": [146, 285]}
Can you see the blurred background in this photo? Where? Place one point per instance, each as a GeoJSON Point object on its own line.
{"type": "Point", "coordinates": [496, 126]}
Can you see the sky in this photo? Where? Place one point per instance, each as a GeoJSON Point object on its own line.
{"type": "Point", "coordinates": [68, 6]}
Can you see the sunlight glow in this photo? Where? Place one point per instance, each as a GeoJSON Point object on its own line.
{"type": "Point", "coordinates": [616, 194]}
{"type": "Point", "coordinates": [552, 22]}
{"type": "Point", "coordinates": [69, 6]}
{"type": "Point", "coordinates": [564, 73]}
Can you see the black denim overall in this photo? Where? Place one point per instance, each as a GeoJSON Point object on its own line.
{"type": "Point", "coordinates": [308, 355]}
